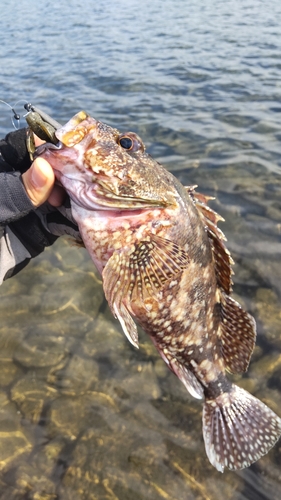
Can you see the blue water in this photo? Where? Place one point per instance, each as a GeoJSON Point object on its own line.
{"type": "Point", "coordinates": [200, 82]}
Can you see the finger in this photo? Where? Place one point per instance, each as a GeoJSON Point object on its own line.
{"type": "Point", "coordinates": [57, 196]}
{"type": "Point", "coordinates": [39, 181]}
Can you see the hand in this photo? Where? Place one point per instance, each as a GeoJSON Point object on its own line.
{"type": "Point", "coordinates": [39, 182]}
{"type": "Point", "coordinates": [32, 230]}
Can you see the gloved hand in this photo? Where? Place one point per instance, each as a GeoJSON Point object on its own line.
{"type": "Point", "coordinates": [33, 210]}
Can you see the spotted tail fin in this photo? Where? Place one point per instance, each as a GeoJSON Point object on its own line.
{"type": "Point", "coordinates": [238, 429]}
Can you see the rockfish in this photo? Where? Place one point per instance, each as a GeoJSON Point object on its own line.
{"type": "Point", "coordinates": [164, 265]}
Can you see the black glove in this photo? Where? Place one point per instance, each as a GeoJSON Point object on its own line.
{"type": "Point", "coordinates": [25, 230]}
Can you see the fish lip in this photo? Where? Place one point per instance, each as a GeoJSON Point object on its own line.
{"type": "Point", "coordinates": [47, 146]}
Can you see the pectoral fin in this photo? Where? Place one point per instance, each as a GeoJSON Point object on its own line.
{"type": "Point", "coordinates": [137, 272]}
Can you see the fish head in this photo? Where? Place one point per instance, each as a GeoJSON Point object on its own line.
{"type": "Point", "coordinates": [104, 169]}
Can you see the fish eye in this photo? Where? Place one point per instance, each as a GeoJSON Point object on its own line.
{"type": "Point", "coordinates": [126, 142]}
{"type": "Point", "coordinates": [130, 142]}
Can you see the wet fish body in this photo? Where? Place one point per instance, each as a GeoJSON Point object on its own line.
{"type": "Point", "coordinates": [164, 264]}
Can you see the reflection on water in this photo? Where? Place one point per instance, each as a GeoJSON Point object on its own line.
{"type": "Point", "coordinates": [83, 415]}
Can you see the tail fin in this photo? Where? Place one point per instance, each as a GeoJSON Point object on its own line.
{"type": "Point", "coordinates": [238, 429]}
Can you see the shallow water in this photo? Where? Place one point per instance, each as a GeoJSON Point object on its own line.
{"type": "Point", "coordinates": [82, 414]}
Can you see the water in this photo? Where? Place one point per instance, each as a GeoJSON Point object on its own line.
{"type": "Point", "coordinates": [82, 414]}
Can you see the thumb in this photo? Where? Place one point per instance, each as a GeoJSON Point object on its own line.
{"type": "Point", "coordinates": [38, 181]}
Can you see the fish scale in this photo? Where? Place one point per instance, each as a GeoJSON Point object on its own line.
{"type": "Point", "coordinates": [165, 266]}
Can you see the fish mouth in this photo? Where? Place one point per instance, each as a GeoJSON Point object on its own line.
{"type": "Point", "coordinates": [47, 146]}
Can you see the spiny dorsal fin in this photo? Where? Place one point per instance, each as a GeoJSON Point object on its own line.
{"type": "Point", "coordinates": [140, 270]}
{"type": "Point", "coordinates": [237, 335]}
{"type": "Point", "coordinates": [223, 259]}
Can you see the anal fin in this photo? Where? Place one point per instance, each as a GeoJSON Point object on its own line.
{"type": "Point", "coordinates": [187, 378]}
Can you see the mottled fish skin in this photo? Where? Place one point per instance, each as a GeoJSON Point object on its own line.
{"type": "Point", "coordinates": [164, 264]}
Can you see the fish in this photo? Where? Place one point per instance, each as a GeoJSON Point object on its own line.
{"type": "Point", "coordinates": [165, 267]}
